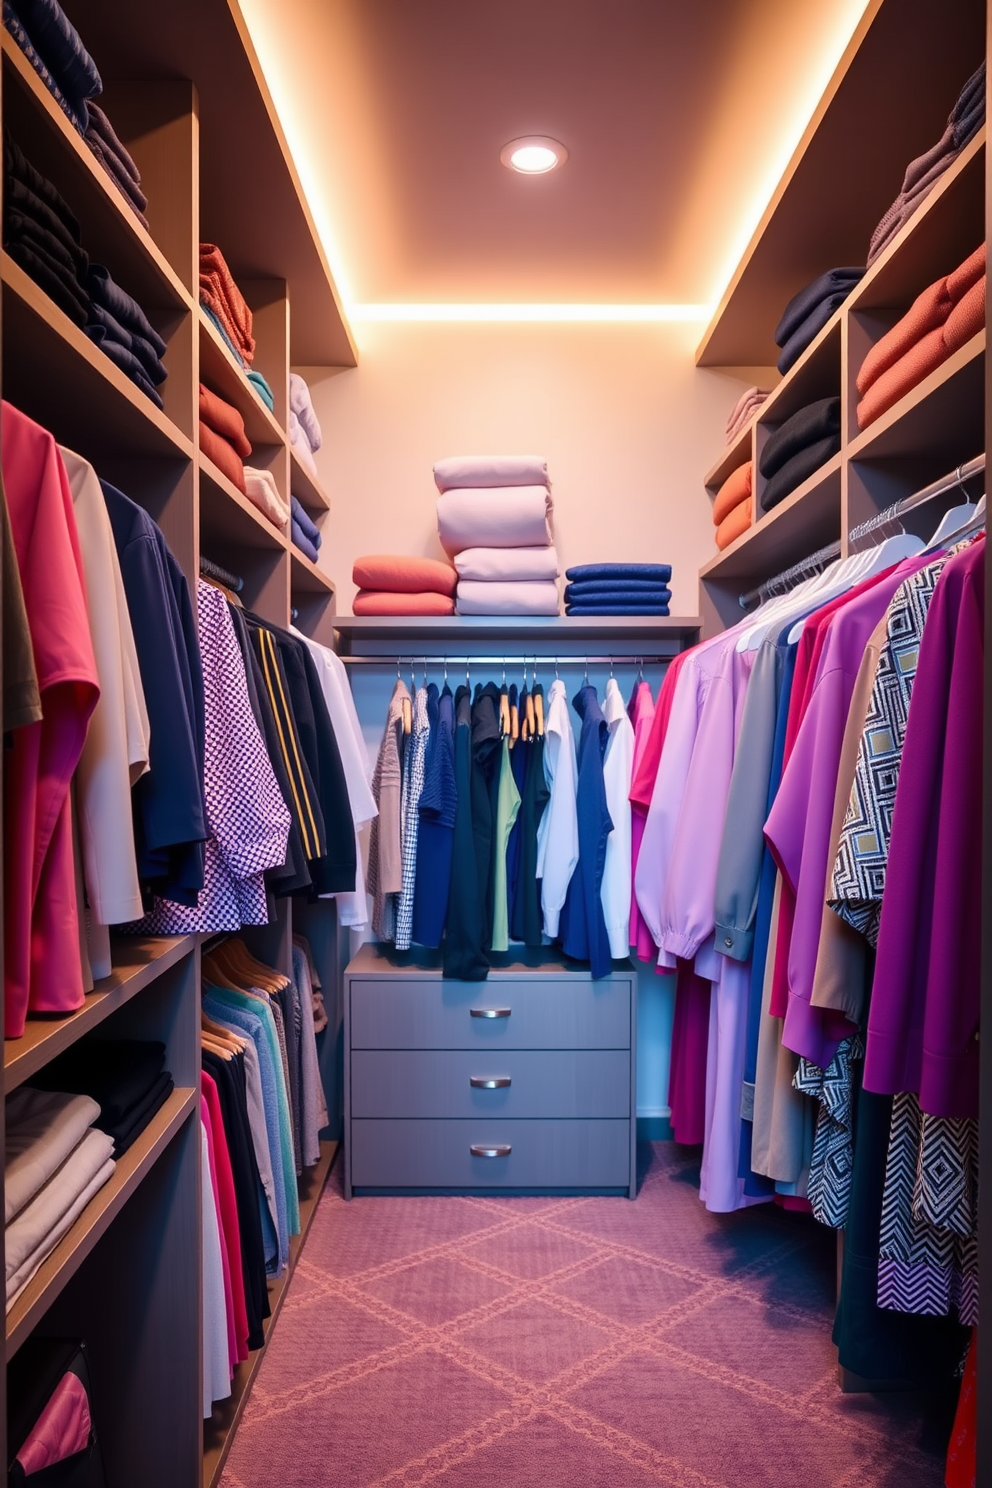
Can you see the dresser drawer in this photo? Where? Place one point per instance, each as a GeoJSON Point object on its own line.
{"type": "Point", "coordinates": [524, 1014]}
{"type": "Point", "coordinates": [438, 1154]}
{"type": "Point", "coordinates": [439, 1083]}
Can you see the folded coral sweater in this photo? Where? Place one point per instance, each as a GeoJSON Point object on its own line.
{"type": "Point", "coordinates": [223, 454]}
{"type": "Point", "coordinates": [927, 313]}
{"type": "Point", "coordinates": [966, 319]}
{"type": "Point", "coordinates": [219, 291]}
{"type": "Point", "coordinates": [736, 521]}
{"type": "Point", "coordinates": [922, 358]}
{"type": "Point", "coordinates": [401, 573]}
{"type": "Point", "coordinates": [735, 489]}
{"type": "Point", "coordinates": [225, 420]}
{"type": "Point", "coordinates": [390, 602]}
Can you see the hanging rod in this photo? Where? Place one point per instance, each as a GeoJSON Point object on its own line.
{"type": "Point", "coordinates": [541, 663]}
{"type": "Point", "coordinates": [817, 561]}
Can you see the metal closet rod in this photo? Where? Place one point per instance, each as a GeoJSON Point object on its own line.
{"type": "Point", "coordinates": [540, 663]}
{"type": "Point", "coordinates": [782, 582]}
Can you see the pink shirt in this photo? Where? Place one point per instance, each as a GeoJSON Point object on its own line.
{"type": "Point", "coordinates": [641, 711]}
{"type": "Point", "coordinates": [42, 969]}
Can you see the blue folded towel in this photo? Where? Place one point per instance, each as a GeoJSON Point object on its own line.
{"type": "Point", "coordinates": [620, 608]}
{"type": "Point", "coordinates": [803, 303]}
{"type": "Point", "coordinates": [122, 307]}
{"type": "Point", "coordinates": [133, 340]}
{"type": "Point", "coordinates": [263, 390]}
{"type": "Point", "coordinates": [305, 521]}
{"type": "Point", "coordinates": [125, 359]}
{"type": "Point", "coordinates": [660, 572]}
{"type": "Point", "coordinates": [629, 589]}
{"type": "Point", "coordinates": [58, 44]}
{"type": "Point", "coordinates": [75, 110]}
{"type": "Point", "coordinates": [301, 540]}
{"type": "Point", "coordinates": [809, 329]}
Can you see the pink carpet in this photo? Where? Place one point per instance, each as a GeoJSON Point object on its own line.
{"type": "Point", "coordinates": [568, 1343]}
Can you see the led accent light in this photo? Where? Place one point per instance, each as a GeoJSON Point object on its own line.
{"type": "Point", "coordinates": [559, 314]}
{"type": "Point", "coordinates": [534, 155]}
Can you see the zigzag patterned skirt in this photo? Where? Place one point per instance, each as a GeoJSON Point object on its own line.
{"type": "Point", "coordinates": [928, 1258]}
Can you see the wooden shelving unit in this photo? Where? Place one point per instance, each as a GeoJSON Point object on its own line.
{"type": "Point", "coordinates": [127, 1275]}
{"type": "Point", "coordinates": [541, 634]}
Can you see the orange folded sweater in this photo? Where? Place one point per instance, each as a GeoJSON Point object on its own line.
{"type": "Point", "coordinates": [225, 420]}
{"type": "Point", "coordinates": [223, 454]}
{"type": "Point", "coordinates": [917, 363]}
{"type": "Point", "coordinates": [402, 574]}
{"type": "Point", "coordinates": [967, 274]}
{"type": "Point", "coordinates": [738, 521]}
{"type": "Point", "coordinates": [735, 489]}
{"type": "Point", "coordinates": [966, 319]}
{"type": "Point", "coordinates": [927, 313]}
{"type": "Point", "coordinates": [389, 602]}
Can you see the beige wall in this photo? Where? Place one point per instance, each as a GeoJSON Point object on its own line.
{"type": "Point", "coordinates": [626, 422]}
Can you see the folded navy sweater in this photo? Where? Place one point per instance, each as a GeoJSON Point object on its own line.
{"type": "Point", "coordinates": [816, 421]}
{"type": "Point", "coordinates": [821, 288]}
{"type": "Point", "coordinates": [633, 593]}
{"type": "Point", "coordinates": [620, 607]}
{"type": "Point", "coordinates": [305, 521]}
{"type": "Point", "coordinates": [659, 572]}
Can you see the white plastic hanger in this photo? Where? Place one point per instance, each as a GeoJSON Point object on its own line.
{"type": "Point", "coordinates": [871, 562]}
{"type": "Point", "coordinates": [950, 522]}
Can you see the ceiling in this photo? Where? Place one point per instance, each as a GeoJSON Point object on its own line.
{"type": "Point", "coordinates": [678, 118]}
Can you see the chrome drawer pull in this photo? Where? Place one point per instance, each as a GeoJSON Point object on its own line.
{"type": "Point", "coordinates": [497, 1082]}
{"type": "Point", "coordinates": [490, 1012]}
{"type": "Point", "coordinates": [501, 1149]}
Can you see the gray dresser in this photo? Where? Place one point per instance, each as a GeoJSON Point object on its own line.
{"type": "Point", "coordinates": [524, 1083]}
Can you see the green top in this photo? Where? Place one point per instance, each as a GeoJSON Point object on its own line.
{"type": "Point", "coordinates": [507, 806]}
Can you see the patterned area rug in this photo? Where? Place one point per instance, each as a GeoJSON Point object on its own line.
{"type": "Point", "coordinates": [569, 1343]}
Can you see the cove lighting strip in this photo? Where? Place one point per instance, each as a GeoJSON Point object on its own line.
{"type": "Point", "coordinates": [603, 314]}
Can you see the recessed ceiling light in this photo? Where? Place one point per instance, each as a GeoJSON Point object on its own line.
{"type": "Point", "coordinates": [534, 155]}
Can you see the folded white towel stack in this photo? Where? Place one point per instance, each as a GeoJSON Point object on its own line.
{"type": "Point", "coordinates": [304, 426]}
{"type": "Point", "coordinates": [495, 520]}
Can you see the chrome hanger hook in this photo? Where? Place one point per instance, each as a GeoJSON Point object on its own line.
{"type": "Point", "coordinates": [445, 671]}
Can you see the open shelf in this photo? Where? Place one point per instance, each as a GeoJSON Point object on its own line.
{"type": "Point", "coordinates": [218, 1432]}
{"type": "Point", "coordinates": [808, 518]}
{"type": "Point", "coordinates": [227, 516]}
{"type": "Point", "coordinates": [218, 371]}
{"type": "Point", "coordinates": [52, 368]}
{"type": "Point", "coordinates": [305, 486]}
{"type": "Point", "coordinates": [110, 231]}
{"type": "Point", "coordinates": [137, 962]}
{"type": "Point", "coordinates": [75, 1246]}
{"type": "Point", "coordinates": [537, 633]}
{"type": "Point", "coordinates": [305, 577]}
{"type": "Point", "coordinates": [942, 417]}
{"type": "Point", "coordinates": [815, 374]}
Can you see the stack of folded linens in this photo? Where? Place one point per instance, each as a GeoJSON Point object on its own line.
{"type": "Point", "coordinates": [304, 426]}
{"type": "Point", "coordinates": [304, 530]}
{"type": "Point", "coordinates": [262, 491]}
{"type": "Point", "coordinates": [228, 311]}
{"type": "Point", "coordinates": [55, 50]}
{"type": "Point", "coordinates": [808, 312]}
{"type": "Point", "coordinates": [939, 322]}
{"type": "Point", "coordinates": [116, 160]}
{"type": "Point", "coordinates": [733, 506]}
{"type": "Point", "coordinates": [922, 174]}
{"type": "Point", "coordinates": [797, 448]}
{"type": "Point", "coordinates": [392, 584]}
{"type": "Point", "coordinates": [494, 519]}
{"type": "Point", "coordinates": [126, 1077]}
{"type": "Point", "coordinates": [41, 234]}
{"type": "Point", "coordinates": [744, 410]}
{"type": "Point", "coordinates": [55, 1161]}
{"type": "Point", "coordinates": [618, 589]}
{"type": "Point", "coordinates": [222, 436]}
{"type": "Point", "coordinates": [123, 332]}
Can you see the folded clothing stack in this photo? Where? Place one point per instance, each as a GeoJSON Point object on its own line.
{"type": "Point", "coordinates": [262, 491]}
{"type": "Point", "coordinates": [55, 1161]}
{"type": "Point", "coordinates": [126, 1077]}
{"type": "Point", "coordinates": [41, 235]}
{"type": "Point", "coordinates": [392, 584]}
{"type": "Point", "coordinates": [494, 519]}
{"type": "Point", "coordinates": [227, 310]}
{"type": "Point", "coordinates": [304, 426]}
{"type": "Point", "coordinates": [744, 410]}
{"type": "Point", "coordinates": [618, 589]}
{"type": "Point", "coordinates": [733, 506]}
{"type": "Point", "coordinates": [801, 445]}
{"type": "Point", "coordinates": [53, 46]}
{"type": "Point", "coordinates": [222, 436]}
{"type": "Point", "coordinates": [939, 322]}
{"type": "Point", "coordinates": [116, 160]}
{"type": "Point", "coordinates": [808, 312]}
{"type": "Point", "coordinates": [923, 173]}
{"type": "Point", "coordinates": [304, 530]}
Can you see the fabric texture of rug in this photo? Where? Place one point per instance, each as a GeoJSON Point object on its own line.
{"type": "Point", "coordinates": [569, 1343]}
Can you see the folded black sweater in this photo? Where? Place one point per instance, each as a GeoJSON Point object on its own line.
{"type": "Point", "coordinates": [816, 421]}
{"type": "Point", "coordinates": [799, 468]}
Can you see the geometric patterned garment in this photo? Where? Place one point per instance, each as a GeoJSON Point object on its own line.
{"type": "Point", "coordinates": [859, 871]}
{"type": "Point", "coordinates": [246, 815]}
{"type": "Point", "coordinates": [832, 1163]}
{"type": "Point", "coordinates": [410, 792]}
{"type": "Point", "coordinates": [928, 1253]}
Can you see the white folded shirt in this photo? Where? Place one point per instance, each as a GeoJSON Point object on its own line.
{"type": "Point", "coordinates": [508, 564]}
{"type": "Point", "coordinates": [44, 1248]}
{"type": "Point", "coordinates": [262, 491]}
{"type": "Point", "coordinates": [43, 1127]}
{"type": "Point", "coordinates": [490, 470]}
{"type": "Point", "coordinates": [474, 598]}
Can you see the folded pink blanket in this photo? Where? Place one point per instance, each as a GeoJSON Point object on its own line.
{"type": "Point", "coordinates": [388, 602]}
{"type": "Point", "coordinates": [401, 574]}
{"type": "Point", "coordinates": [475, 598]}
{"type": "Point", "coordinates": [490, 470]}
{"type": "Point", "coordinates": [508, 564]}
{"type": "Point", "coordinates": [504, 517]}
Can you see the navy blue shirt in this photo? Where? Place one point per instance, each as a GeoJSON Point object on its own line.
{"type": "Point", "coordinates": [438, 808]}
{"type": "Point", "coordinates": [583, 924]}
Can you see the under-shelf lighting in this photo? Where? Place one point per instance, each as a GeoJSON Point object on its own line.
{"type": "Point", "coordinates": [533, 155]}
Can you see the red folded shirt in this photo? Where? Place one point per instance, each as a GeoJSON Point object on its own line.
{"type": "Point", "coordinates": [399, 574]}
{"type": "Point", "coordinates": [225, 420]}
{"type": "Point", "coordinates": [389, 602]}
{"type": "Point", "coordinates": [223, 454]}
{"type": "Point", "coordinates": [735, 489]}
{"type": "Point", "coordinates": [219, 291]}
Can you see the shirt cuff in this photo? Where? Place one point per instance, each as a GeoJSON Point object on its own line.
{"type": "Point", "coordinates": [733, 942]}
